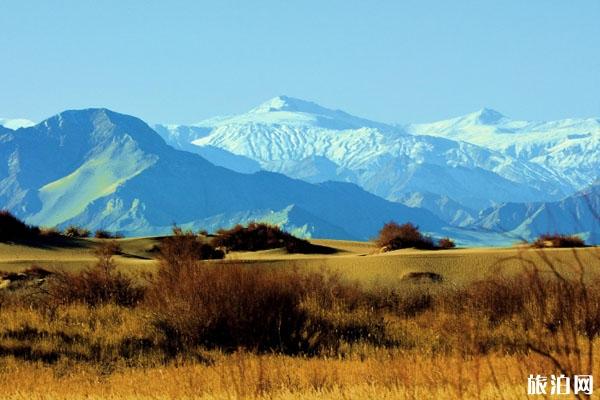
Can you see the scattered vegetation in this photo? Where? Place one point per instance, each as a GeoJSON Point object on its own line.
{"type": "Point", "coordinates": [234, 330]}
{"type": "Point", "coordinates": [99, 285]}
{"type": "Point", "coordinates": [183, 246]}
{"type": "Point", "coordinates": [260, 236]}
{"type": "Point", "coordinates": [104, 234]}
{"type": "Point", "coordinates": [394, 237]}
{"type": "Point", "coordinates": [446, 243]}
{"type": "Point", "coordinates": [558, 240]}
{"type": "Point", "coordinates": [232, 306]}
{"type": "Point", "coordinates": [76, 232]}
{"type": "Point", "coordinates": [192, 314]}
{"type": "Point", "coordinates": [13, 229]}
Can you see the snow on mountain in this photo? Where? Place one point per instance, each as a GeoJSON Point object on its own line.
{"type": "Point", "coordinates": [304, 140]}
{"type": "Point", "coordinates": [569, 148]}
{"type": "Point", "coordinates": [16, 123]}
{"type": "Point", "coordinates": [101, 169]}
{"type": "Point", "coordinates": [181, 137]}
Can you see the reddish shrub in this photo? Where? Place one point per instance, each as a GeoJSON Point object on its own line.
{"type": "Point", "coordinates": [558, 240]}
{"type": "Point", "coordinates": [259, 236]}
{"type": "Point", "coordinates": [231, 306]}
{"type": "Point", "coordinates": [393, 236]}
{"type": "Point", "coordinates": [184, 245]}
{"type": "Point", "coordinates": [101, 284]}
{"type": "Point", "coordinates": [446, 243]}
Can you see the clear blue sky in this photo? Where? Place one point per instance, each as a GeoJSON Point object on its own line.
{"type": "Point", "coordinates": [394, 61]}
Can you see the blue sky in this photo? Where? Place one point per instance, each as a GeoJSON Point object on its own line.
{"type": "Point", "coordinates": [393, 61]}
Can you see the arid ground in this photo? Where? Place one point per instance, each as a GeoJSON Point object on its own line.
{"type": "Point", "coordinates": [444, 324]}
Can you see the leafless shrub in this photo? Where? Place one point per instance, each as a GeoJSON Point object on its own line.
{"type": "Point", "coordinates": [232, 305]}
{"type": "Point", "coordinates": [446, 243]}
{"type": "Point", "coordinates": [76, 232]}
{"type": "Point", "coordinates": [558, 240]}
{"type": "Point", "coordinates": [104, 234]}
{"type": "Point", "coordinates": [98, 285]}
{"type": "Point", "coordinates": [393, 236]}
{"type": "Point", "coordinates": [260, 236]}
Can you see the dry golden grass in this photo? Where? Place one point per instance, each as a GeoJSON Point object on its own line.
{"type": "Point", "coordinates": [456, 339]}
{"type": "Point", "coordinates": [380, 375]}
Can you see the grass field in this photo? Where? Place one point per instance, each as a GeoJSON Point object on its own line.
{"type": "Point", "coordinates": [468, 335]}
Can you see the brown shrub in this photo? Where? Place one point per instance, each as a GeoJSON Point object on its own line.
{"type": "Point", "coordinates": [104, 234]}
{"type": "Point", "coordinates": [13, 229]}
{"type": "Point", "coordinates": [393, 236]}
{"type": "Point", "coordinates": [260, 236]}
{"type": "Point", "coordinates": [50, 233]}
{"type": "Point", "coordinates": [496, 299]}
{"type": "Point", "coordinates": [446, 243]}
{"type": "Point", "coordinates": [232, 305]}
{"type": "Point", "coordinates": [77, 232]}
{"type": "Point", "coordinates": [558, 240]}
{"type": "Point", "coordinates": [95, 286]}
{"type": "Point", "coordinates": [184, 245]}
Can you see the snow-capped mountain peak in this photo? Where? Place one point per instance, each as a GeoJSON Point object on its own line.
{"type": "Point", "coordinates": [570, 148]}
{"type": "Point", "coordinates": [487, 116]}
{"type": "Point", "coordinates": [286, 103]}
{"type": "Point", "coordinates": [16, 123]}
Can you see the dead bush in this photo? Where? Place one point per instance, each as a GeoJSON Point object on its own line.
{"type": "Point", "coordinates": [231, 306]}
{"type": "Point", "coordinates": [76, 232]}
{"type": "Point", "coordinates": [393, 237]}
{"type": "Point", "coordinates": [558, 240]}
{"type": "Point", "coordinates": [95, 286]}
{"type": "Point", "coordinates": [495, 299]}
{"type": "Point", "coordinates": [50, 233]}
{"type": "Point", "coordinates": [104, 234]}
{"type": "Point", "coordinates": [446, 243]}
{"type": "Point", "coordinates": [259, 236]}
{"type": "Point", "coordinates": [185, 245]}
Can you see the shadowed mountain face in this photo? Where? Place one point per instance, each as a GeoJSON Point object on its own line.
{"type": "Point", "coordinates": [106, 170]}
{"type": "Point", "coordinates": [576, 214]}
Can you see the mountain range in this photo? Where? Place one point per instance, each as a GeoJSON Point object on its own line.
{"type": "Point", "coordinates": [456, 168]}
{"type": "Point", "coordinates": [101, 169]}
{"type": "Point", "coordinates": [481, 178]}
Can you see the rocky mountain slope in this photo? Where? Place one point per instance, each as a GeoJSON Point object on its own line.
{"type": "Point", "coordinates": [102, 169]}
